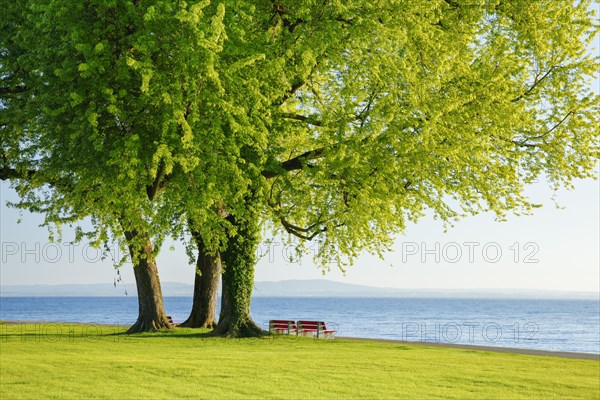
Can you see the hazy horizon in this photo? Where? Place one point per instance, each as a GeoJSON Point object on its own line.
{"type": "Point", "coordinates": [323, 279]}
{"type": "Point", "coordinates": [295, 288]}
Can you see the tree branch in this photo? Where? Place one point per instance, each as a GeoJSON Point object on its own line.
{"type": "Point", "coordinates": [152, 190]}
{"type": "Point", "coordinates": [536, 82]}
{"type": "Point", "coordinates": [310, 120]}
{"type": "Point", "coordinates": [11, 90]}
{"type": "Point", "coordinates": [523, 143]}
{"type": "Point", "coordinates": [296, 230]}
{"type": "Point", "coordinates": [295, 163]}
{"type": "Point", "coordinates": [295, 87]}
{"type": "Point", "coordinates": [7, 173]}
{"type": "Point", "coordinates": [559, 123]}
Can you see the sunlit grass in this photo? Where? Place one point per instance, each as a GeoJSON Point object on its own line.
{"type": "Point", "coordinates": [63, 361]}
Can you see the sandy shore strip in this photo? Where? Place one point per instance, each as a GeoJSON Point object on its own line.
{"type": "Point", "coordinates": [564, 354]}
{"type": "Point", "coordinates": [496, 349]}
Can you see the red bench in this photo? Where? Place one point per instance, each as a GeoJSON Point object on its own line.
{"type": "Point", "coordinates": [316, 329]}
{"type": "Point", "coordinates": [282, 326]}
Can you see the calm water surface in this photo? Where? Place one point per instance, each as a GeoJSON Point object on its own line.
{"type": "Point", "coordinates": [560, 325]}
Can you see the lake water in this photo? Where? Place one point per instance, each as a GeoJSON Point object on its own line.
{"type": "Point", "coordinates": [558, 325]}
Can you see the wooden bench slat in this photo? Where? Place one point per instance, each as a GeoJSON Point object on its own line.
{"type": "Point", "coordinates": [283, 326]}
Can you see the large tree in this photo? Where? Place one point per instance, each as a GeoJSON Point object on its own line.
{"type": "Point", "coordinates": [327, 120]}
{"type": "Point", "coordinates": [83, 132]}
{"type": "Point", "coordinates": [395, 108]}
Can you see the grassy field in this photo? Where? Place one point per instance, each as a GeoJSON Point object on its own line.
{"type": "Point", "coordinates": [62, 361]}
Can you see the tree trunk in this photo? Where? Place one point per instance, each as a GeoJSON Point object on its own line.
{"type": "Point", "coordinates": [239, 259]}
{"type": "Point", "coordinates": [151, 311]}
{"type": "Point", "coordinates": [206, 287]}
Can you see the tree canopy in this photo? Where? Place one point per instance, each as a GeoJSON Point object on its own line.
{"type": "Point", "coordinates": [338, 120]}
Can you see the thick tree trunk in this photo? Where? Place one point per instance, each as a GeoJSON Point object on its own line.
{"type": "Point", "coordinates": [239, 259]}
{"type": "Point", "coordinates": [151, 314]}
{"type": "Point", "coordinates": [206, 287]}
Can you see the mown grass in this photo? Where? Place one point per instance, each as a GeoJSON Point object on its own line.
{"type": "Point", "coordinates": [63, 361]}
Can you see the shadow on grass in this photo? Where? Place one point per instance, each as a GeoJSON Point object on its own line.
{"type": "Point", "coordinates": [175, 332]}
{"type": "Point", "coordinates": [57, 332]}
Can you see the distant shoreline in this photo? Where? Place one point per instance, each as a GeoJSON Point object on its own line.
{"type": "Point", "coordinates": [318, 296]}
{"type": "Point", "coordinates": [482, 296]}
{"type": "Point", "coordinates": [494, 349]}
{"type": "Point", "coordinates": [299, 288]}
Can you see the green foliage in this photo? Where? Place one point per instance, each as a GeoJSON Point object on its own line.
{"type": "Point", "coordinates": [347, 119]}
{"type": "Point", "coordinates": [70, 360]}
{"type": "Point", "coordinates": [436, 106]}
{"type": "Point", "coordinates": [112, 92]}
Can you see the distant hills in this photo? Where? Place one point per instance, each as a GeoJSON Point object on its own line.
{"type": "Point", "coordinates": [294, 288]}
{"type": "Point", "coordinates": [320, 287]}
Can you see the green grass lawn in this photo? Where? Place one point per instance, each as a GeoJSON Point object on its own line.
{"type": "Point", "coordinates": [62, 361]}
